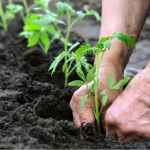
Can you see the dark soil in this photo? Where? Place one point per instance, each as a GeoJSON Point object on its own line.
{"type": "Point", "coordinates": [34, 107]}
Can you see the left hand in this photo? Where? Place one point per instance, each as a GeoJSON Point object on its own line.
{"type": "Point", "coordinates": [129, 115]}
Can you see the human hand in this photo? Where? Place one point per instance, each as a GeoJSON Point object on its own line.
{"type": "Point", "coordinates": [129, 115]}
{"type": "Point", "coordinates": [86, 114]}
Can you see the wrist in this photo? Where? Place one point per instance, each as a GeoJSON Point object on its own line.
{"type": "Point", "coordinates": [118, 55]}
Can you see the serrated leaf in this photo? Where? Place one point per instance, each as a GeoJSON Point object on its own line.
{"type": "Point", "coordinates": [50, 29]}
{"type": "Point", "coordinates": [62, 7]}
{"type": "Point", "coordinates": [104, 39]}
{"type": "Point", "coordinates": [76, 83]}
{"type": "Point", "coordinates": [80, 74]}
{"type": "Point", "coordinates": [110, 81]}
{"type": "Point", "coordinates": [92, 89]}
{"type": "Point", "coordinates": [56, 61]}
{"type": "Point", "coordinates": [104, 100]}
{"type": "Point", "coordinates": [45, 41]}
{"type": "Point", "coordinates": [121, 37]}
{"type": "Point", "coordinates": [83, 100]}
{"type": "Point", "coordinates": [130, 41]}
{"type": "Point", "coordinates": [107, 44]}
{"type": "Point", "coordinates": [99, 45]}
{"type": "Point", "coordinates": [92, 72]}
{"type": "Point", "coordinates": [81, 15]}
{"type": "Point", "coordinates": [73, 46]}
{"type": "Point", "coordinates": [104, 92]}
{"type": "Point", "coordinates": [121, 83]}
{"type": "Point", "coordinates": [33, 39]}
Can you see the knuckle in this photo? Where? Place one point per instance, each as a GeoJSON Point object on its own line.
{"type": "Point", "coordinates": [110, 118]}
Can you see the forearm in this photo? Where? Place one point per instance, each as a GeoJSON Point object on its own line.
{"type": "Point", "coordinates": [119, 16]}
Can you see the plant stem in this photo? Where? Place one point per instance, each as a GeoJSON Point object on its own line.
{"type": "Point", "coordinates": [96, 85]}
{"type": "Point", "coordinates": [2, 14]}
{"type": "Point", "coordinates": [66, 41]}
{"type": "Point", "coordinates": [91, 100]}
{"type": "Point", "coordinates": [26, 8]}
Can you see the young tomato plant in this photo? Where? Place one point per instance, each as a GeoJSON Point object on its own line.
{"type": "Point", "coordinates": [8, 14]}
{"type": "Point", "coordinates": [37, 30]}
{"type": "Point", "coordinates": [92, 74]}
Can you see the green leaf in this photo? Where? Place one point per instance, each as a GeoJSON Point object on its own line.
{"type": "Point", "coordinates": [32, 28]}
{"type": "Point", "coordinates": [45, 41]}
{"type": "Point", "coordinates": [83, 100]}
{"type": "Point", "coordinates": [15, 7]}
{"type": "Point", "coordinates": [92, 72]}
{"type": "Point", "coordinates": [84, 61]}
{"type": "Point", "coordinates": [80, 15]}
{"type": "Point", "coordinates": [25, 33]}
{"type": "Point", "coordinates": [62, 7]}
{"type": "Point", "coordinates": [104, 39]}
{"type": "Point", "coordinates": [110, 81]}
{"type": "Point", "coordinates": [99, 45]}
{"type": "Point", "coordinates": [42, 2]}
{"type": "Point", "coordinates": [92, 12]}
{"type": "Point", "coordinates": [82, 50]}
{"type": "Point", "coordinates": [104, 100]}
{"type": "Point", "coordinates": [33, 39]}
{"type": "Point", "coordinates": [73, 46]}
{"type": "Point", "coordinates": [107, 44]}
{"type": "Point", "coordinates": [80, 74]}
{"type": "Point", "coordinates": [50, 29]}
{"type": "Point", "coordinates": [121, 37]}
{"type": "Point", "coordinates": [104, 92]}
{"type": "Point", "coordinates": [96, 14]}
{"type": "Point", "coordinates": [121, 83]}
{"type": "Point", "coordinates": [92, 89]}
{"type": "Point", "coordinates": [56, 61]}
{"type": "Point", "coordinates": [130, 41]}
{"type": "Point", "coordinates": [76, 83]}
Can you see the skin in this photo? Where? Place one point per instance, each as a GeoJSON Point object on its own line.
{"type": "Point", "coordinates": [126, 113]}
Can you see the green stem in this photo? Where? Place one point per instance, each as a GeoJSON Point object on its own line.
{"type": "Point", "coordinates": [58, 30]}
{"type": "Point", "coordinates": [96, 86]}
{"type": "Point", "coordinates": [91, 100]}
{"type": "Point", "coordinates": [27, 9]}
{"type": "Point", "coordinates": [31, 7]}
{"type": "Point", "coordinates": [65, 46]}
{"type": "Point", "coordinates": [66, 41]}
{"type": "Point", "coordinates": [84, 67]}
{"type": "Point", "coordinates": [71, 70]}
{"type": "Point", "coordinates": [23, 17]}
{"type": "Point", "coordinates": [70, 66]}
{"type": "Point", "coordinates": [2, 14]}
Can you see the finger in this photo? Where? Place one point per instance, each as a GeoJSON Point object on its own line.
{"type": "Point", "coordinates": [76, 119]}
{"type": "Point", "coordinates": [86, 114]}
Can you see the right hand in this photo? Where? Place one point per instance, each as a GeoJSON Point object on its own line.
{"type": "Point", "coordinates": [86, 115]}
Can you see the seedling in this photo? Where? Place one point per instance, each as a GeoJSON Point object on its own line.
{"type": "Point", "coordinates": [92, 74]}
{"type": "Point", "coordinates": [37, 29]}
{"type": "Point", "coordinates": [8, 14]}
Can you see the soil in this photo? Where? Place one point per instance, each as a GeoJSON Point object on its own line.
{"type": "Point", "coordinates": [34, 107]}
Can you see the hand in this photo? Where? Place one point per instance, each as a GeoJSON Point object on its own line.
{"type": "Point", "coordinates": [129, 116]}
{"type": "Point", "coordinates": [86, 114]}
